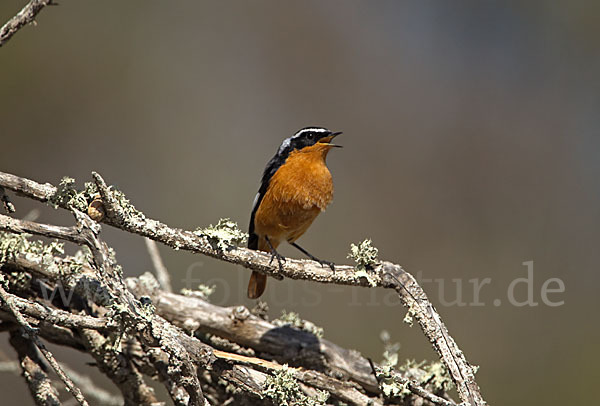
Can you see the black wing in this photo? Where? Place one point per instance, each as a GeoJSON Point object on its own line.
{"type": "Point", "coordinates": [272, 167]}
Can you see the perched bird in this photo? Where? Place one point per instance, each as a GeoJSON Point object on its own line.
{"type": "Point", "coordinates": [295, 187]}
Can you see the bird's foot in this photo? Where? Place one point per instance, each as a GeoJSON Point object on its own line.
{"type": "Point", "coordinates": [280, 259]}
{"type": "Point", "coordinates": [328, 263]}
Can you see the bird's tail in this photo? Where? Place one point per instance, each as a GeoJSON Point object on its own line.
{"type": "Point", "coordinates": [256, 285]}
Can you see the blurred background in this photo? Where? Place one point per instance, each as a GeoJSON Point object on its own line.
{"type": "Point", "coordinates": [470, 147]}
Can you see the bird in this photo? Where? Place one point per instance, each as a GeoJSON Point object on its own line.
{"type": "Point", "coordinates": [296, 186]}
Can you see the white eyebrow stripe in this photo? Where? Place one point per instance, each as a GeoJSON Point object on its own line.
{"type": "Point", "coordinates": [312, 130]}
{"type": "Point", "coordinates": [286, 143]}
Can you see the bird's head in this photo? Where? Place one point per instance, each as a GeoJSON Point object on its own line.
{"type": "Point", "coordinates": [310, 139]}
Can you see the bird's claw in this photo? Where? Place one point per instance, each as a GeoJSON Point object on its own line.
{"type": "Point", "coordinates": [329, 264]}
{"type": "Point", "coordinates": [280, 259]}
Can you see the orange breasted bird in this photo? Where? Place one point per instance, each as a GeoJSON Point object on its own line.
{"type": "Point", "coordinates": [296, 186]}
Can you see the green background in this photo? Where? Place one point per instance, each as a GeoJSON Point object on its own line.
{"type": "Point", "coordinates": [471, 139]}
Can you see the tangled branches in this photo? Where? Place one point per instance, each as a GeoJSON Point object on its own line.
{"type": "Point", "coordinates": [202, 353]}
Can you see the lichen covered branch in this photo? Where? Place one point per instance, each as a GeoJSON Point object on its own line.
{"type": "Point", "coordinates": [164, 343]}
{"type": "Point", "coordinates": [34, 371]}
{"type": "Point", "coordinates": [30, 333]}
{"type": "Point", "coordinates": [25, 16]}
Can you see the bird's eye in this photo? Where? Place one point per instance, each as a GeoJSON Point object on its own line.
{"type": "Point", "coordinates": [310, 136]}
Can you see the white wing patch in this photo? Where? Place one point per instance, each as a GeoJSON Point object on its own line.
{"type": "Point", "coordinates": [255, 201]}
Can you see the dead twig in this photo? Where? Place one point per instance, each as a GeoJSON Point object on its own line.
{"type": "Point", "coordinates": [25, 16]}
{"type": "Point", "coordinates": [34, 371]}
{"type": "Point", "coordinates": [30, 333]}
{"type": "Point", "coordinates": [162, 274]}
{"type": "Point", "coordinates": [85, 383]}
{"type": "Point", "coordinates": [57, 317]}
{"type": "Point", "coordinates": [92, 390]}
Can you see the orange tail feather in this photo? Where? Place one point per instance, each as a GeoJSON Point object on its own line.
{"type": "Point", "coordinates": [256, 285]}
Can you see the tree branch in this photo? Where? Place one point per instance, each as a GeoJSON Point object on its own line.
{"type": "Point", "coordinates": [285, 344]}
{"type": "Point", "coordinates": [56, 316]}
{"type": "Point", "coordinates": [31, 334]}
{"type": "Point", "coordinates": [122, 215]}
{"type": "Point", "coordinates": [162, 274]}
{"type": "Point", "coordinates": [236, 324]}
{"type": "Point", "coordinates": [180, 372]}
{"type": "Point", "coordinates": [25, 16]}
{"type": "Point", "coordinates": [34, 371]}
{"type": "Point", "coordinates": [119, 368]}
{"type": "Point", "coordinates": [87, 385]}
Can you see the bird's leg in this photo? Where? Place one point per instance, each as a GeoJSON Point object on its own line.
{"type": "Point", "coordinates": [275, 254]}
{"type": "Point", "coordinates": [321, 261]}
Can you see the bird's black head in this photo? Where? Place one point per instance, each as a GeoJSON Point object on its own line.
{"type": "Point", "coordinates": [307, 137]}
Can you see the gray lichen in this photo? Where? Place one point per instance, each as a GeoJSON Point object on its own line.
{"type": "Point", "coordinates": [390, 350]}
{"type": "Point", "coordinates": [14, 245]}
{"type": "Point", "coordinates": [410, 315]}
{"type": "Point", "coordinates": [68, 195]}
{"type": "Point", "coordinates": [389, 386]}
{"type": "Point", "coordinates": [433, 375]}
{"type": "Point", "coordinates": [116, 314]}
{"type": "Point", "coordinates": [364, 254]}
{"type": "Point", "coordinates": [285, 390]}
{"type": "Point", "coordinates": [261, 310]}
{"type": "Point", "coordinates": [128, 209]}
{"type": "Point", "coordinates": [225, 235]}
{"type": "Point", "coordinates": [202, 291]}
{"type": "Point", "coordinates": [293, 319]}
{"type": "Point", "coordinates": [82, 257]}
{"type": "Point", "coordinates": [436, 375]}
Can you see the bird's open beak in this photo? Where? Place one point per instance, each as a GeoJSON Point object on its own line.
{"type": "Point", "coordinates": [327, 140]}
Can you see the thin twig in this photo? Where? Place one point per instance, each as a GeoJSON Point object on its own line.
{"type": "Point", "coordinates": [34, 370]}
{"type": "Point", "coordinates": [71, 234]}
{"type": "Point", "coordinates": [23, 17]}
{"type": "Point", "coordinates": [31, 334]}
{"type": "Point", "coordinates": [418, 390]}
{"type": "Point", "coordinates": [56, 316]}
{"type": "Point", "coordinates": [87, 386]}
{"type": "Point", "coordinates": [162, 273]}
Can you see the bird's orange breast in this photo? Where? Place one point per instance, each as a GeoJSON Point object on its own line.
{"type": "Point", "coordinates": [300, 189]}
